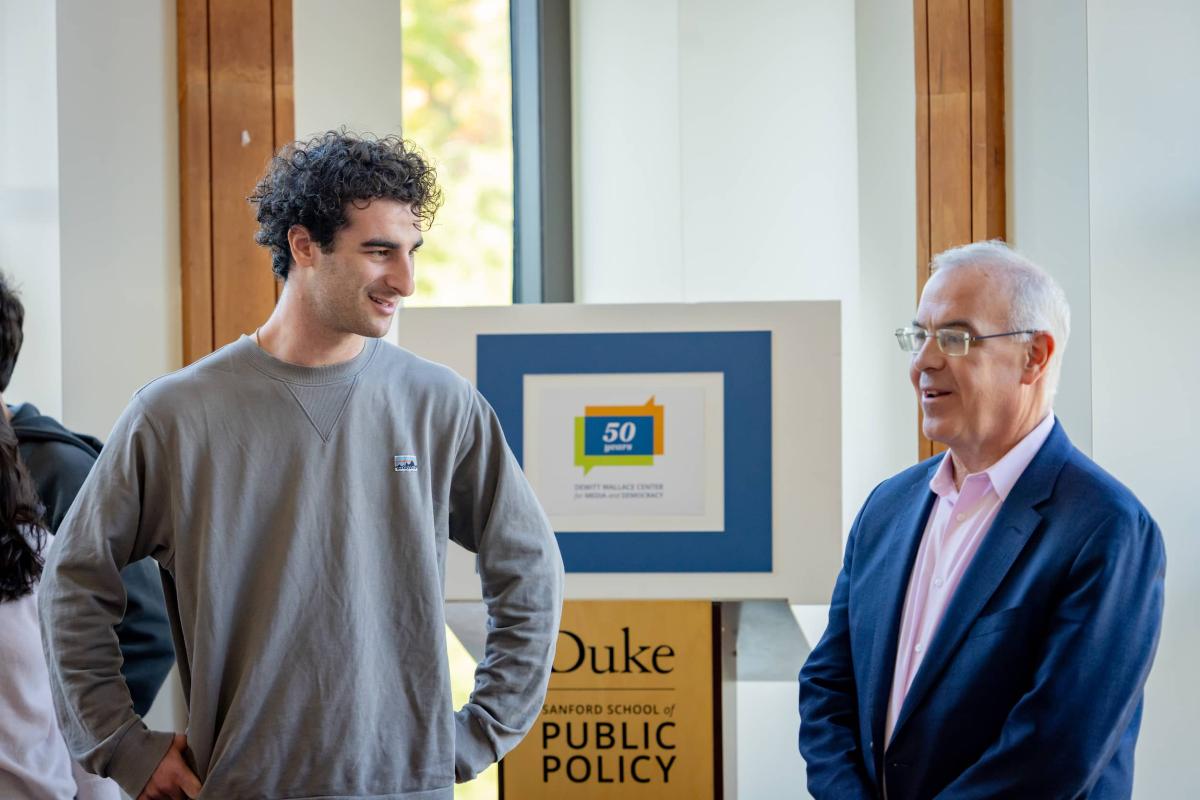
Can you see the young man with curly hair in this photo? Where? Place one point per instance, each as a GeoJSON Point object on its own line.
{"type": "Point", "coordinates": [300, 487]}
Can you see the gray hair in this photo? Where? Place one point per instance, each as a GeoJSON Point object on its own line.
{"type": "Point", "coordinates": [1036, 301]}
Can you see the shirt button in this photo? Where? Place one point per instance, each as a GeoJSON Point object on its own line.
{"type": "Point", "coordinates": [920, 648]}
{"type": "Point", "coordinates": [960, 517]}
{"type": "Point", "coordinates": [938, 582]}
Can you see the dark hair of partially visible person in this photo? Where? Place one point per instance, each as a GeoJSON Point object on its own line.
{"type": "Point", "coordinates": [21, 531]}
{"type": "Point", "coordinates": [12, 318]}
{"type": "Point", "coordinates": [313, 183]}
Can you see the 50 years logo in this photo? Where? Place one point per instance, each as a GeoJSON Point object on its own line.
{"type": "Point", "coordinates": [625, 436]}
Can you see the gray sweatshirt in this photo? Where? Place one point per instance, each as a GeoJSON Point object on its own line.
{"type": "Point", "coordinates": [302, 516]}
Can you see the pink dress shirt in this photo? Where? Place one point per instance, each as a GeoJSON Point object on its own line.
{"type": "Point", "coordinates": [957, 524]}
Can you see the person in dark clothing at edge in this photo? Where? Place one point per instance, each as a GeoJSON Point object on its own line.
{"type": "Point", "coordinates": [59, 460]}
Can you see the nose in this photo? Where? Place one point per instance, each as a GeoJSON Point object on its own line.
{"type": "Point", "coordinates": [402, 279]}
{"type": "Point", "coordinates": [929, 357]}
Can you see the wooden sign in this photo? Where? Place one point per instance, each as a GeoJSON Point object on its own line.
{"type": "Point", "coordinates": [630, 710]}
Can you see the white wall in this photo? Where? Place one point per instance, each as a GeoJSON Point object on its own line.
{"type": "Point", "coordinates": [879, 408]}
{"type": "Point", "coordinates": [347, 65]}
{"type": "Point", "coordinates": [626, 127]}
{"type": "Point", "coordinates": [1105, 192]}
{"type": "Point", "coordinates": [119, 204]}
{"type": "Point", "coordinates": [89, 197]}
{"type": "Point", "coordinates": [1047, 137]}
{"type": "Point", "coordinates": [1143, 86]}
{"type": "Point", "coordinates": [767, 133]}
{"type": "Point", "coordinates": [29, 195]}
{"type": "Point", "coordinates": [716, 154]}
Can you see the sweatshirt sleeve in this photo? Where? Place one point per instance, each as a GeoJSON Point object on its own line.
{"type": "Point", "coordinates": [59, 470]}
{"type": "Point", "coordinates": [494, 513]}
{"type": "Point", "coordinates": [122, 514]}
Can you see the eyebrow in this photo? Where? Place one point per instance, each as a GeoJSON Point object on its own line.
{"type": "Point", "coordinates": [954, 323]}
{"type": "Point", "coordinates": [380, 244]}
{"type": "Point", "coordinates": [386, 244]}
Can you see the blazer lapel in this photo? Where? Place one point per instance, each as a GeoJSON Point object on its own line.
{"type": "Point", "coordinates": [1004, 541]}
{"type": "Point", "coordinates": [904, 535]}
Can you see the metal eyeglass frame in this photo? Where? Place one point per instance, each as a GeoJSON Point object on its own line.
{"type": "Point", "coordinates": [909, 334]}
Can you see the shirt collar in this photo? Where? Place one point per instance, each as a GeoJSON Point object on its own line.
{"type": "Point", "coordinates": [942, 482]}
{"type": "Point", "coordinates": [1004, 474]}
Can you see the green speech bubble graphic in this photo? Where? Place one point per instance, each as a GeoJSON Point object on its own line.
{"type": "Point", "coordinates": [587, 462]}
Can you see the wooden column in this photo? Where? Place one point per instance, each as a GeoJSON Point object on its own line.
{"type": "Point", "coordinates": [960, 131]}
{"type": "Point", "coordinates": [235, 110]}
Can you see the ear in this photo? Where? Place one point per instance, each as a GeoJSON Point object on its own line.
{"type": "Point", "coordinates": [304, 248]}
{"type": "Point", "coordinates": [1037, 356]}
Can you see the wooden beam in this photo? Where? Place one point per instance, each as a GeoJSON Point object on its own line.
{"type": "Point", "coordinates": [195, 199]}
{"type": "Point", "coordinates": [987, 120]}
{"type": "Point", "coordinates": [920, 29]}
{"type": "Point", "coordinates": [283, 82]}
{"type": "Point", "coordinates": [243, 140]}
{"type": "Point", "coordinates": [949, 124]}
{"type": "Point", "coordinates": [235, 109]}
{"type": "Point", "coordinates": [959, 47]}
{"type": "Point", "coordinates": [921, 47]}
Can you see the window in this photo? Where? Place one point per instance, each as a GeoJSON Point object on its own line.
{"type": "Point", "coordinates": [457, 105]}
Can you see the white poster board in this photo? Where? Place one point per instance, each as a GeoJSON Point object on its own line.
{"type": "Point", "coordinates": [647, 469]}
{"type": "Point", "coordinates": [581, 493]}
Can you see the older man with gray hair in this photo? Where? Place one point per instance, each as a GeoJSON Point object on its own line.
{"type": "Point", "coordinates": [999, 605]}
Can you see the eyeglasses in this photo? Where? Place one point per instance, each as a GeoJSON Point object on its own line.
{"type": "Point", "coordinates": [950, 341]}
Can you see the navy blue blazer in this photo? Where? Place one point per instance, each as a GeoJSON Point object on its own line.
{"type": "Point", "coordinates": [1032, 684]}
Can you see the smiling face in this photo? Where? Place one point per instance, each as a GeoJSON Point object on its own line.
{"type": "Point", "coordinates": [981, 404]}
{"type": "Point", "coordinates": [356, 286]}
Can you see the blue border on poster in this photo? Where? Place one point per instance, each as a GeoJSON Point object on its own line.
{"type": "Point", "coordinates": [744, 357]}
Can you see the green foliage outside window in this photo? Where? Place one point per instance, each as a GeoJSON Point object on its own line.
{"type": "Point", "coordinates": [457, 105]}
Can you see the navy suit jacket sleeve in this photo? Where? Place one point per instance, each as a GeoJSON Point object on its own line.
{"type": "Point", "coordinates": [829, 720]}
{"type": "Point", "coordinates": [1086, 690]}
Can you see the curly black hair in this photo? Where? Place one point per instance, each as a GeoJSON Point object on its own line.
{"type": "Point", "coordinates": [12, 320]}
{"type": "Point", "coordinates": [312, 183]}
{"type": "Point", "coordinates": [21, 526]}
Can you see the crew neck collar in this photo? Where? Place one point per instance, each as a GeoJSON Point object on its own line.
{"type": "Point", "coordinates": [267, 364]}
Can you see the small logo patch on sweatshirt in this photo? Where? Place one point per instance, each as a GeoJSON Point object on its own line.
{"type": "Point", "coordinates": [405, 462]}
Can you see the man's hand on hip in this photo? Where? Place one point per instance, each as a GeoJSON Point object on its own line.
{"type": "Point", "coordinates": [172, 778]}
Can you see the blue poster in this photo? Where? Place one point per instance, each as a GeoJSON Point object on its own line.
{"type": "Point", "coordinates": [651, 452]}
